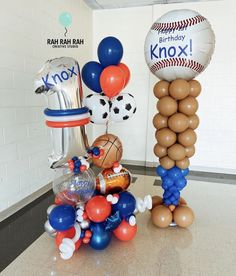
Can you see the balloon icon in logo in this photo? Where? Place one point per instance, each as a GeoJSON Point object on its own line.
{"type": "Point", "coordinates": [65, 20]}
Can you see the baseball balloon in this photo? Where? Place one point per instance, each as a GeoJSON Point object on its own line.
{"type": "Point", "coordinates": [179, 45]}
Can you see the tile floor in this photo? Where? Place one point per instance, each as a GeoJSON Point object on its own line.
{"type": "Point", "coordinates": [208, 247]}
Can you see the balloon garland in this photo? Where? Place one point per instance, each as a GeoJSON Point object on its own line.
{"type": "Point", "coordinates": [178, 47]}
{"type": "Point", "coordinates": [88, 209]}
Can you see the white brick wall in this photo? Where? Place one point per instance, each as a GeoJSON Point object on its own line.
{"type": "Point", "coordinates": [24, 139]}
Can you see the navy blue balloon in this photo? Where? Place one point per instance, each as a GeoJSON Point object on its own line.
{"type": "Point", "coordinates": [181, 183]}
{"type": "Point", "coordinates": [91, 75]}
{"type": "Point", "coordinates": [100, 238]}
{"type": "Point", "coordinates": [185, 172]}
{"type": "Point", "coordinates": [62, 217]}
{"type": "Point", "coordinates": [125, 205]}
{"type": "Point", "coordinates": [110, 51]}
{"type": "Point", "coordinates": [175, 173]}
{"type": "Point", "coordinates": [161, 171]}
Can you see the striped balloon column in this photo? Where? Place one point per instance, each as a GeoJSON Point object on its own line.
{"type": "Point", "coordinates": [175, 125]}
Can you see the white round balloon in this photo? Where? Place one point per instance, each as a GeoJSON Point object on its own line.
{"type": "Point", "coordinates": [122, 107]}
{"type": "Point", "coordinates": [179, 45]}
{"type": "Point", "coordinates": [99, 108]}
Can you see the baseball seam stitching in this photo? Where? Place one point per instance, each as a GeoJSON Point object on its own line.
{"type": "Point", "coordinates": [194, 65]}
{"type": "Point", "coordinates": [179, 24]}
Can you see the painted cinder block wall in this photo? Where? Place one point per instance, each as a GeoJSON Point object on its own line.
{"type": "Point", "coordinates": [215, 147]}
{"type": "Point", "coordinates": [25, 27]}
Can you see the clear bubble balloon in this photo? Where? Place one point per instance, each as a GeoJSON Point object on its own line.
{"type": "Point", "coordinates": [74, 188]}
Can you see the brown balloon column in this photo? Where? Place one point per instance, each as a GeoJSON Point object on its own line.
{"type": "Point", "coordinates": [175, 124]}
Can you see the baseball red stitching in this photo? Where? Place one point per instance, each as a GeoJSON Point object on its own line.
{"type": "Point", "coordinates": [194, 65]}
{"type": "Point", "coordinates": [178, 25]}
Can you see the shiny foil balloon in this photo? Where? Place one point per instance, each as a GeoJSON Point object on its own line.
{"type": "Point", "coordinates": [59, 80]}
{"type": "Point", "coordinates": [73, 188]}
{"type": "Point", "coordinates": [179, 45]}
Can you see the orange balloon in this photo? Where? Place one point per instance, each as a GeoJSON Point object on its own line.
{"type": "Point", "coordinates": [167, 106]}
{"type": "Point", "coordinates": [161, 216]}
{"type": "Point", "coordinates": [112, 80]}
{"type": "Point", "coordinates": [165, 137]}
{"type": "Point", "coordinates": [160, 151]}
{"type": "Point", "coordinates": [183, 216]}
{"type": "Point", "coordinates": [195, 88]}
{"type": "Point", "coordinates": [183, 164]}
{"type": "Point", "coordinates": [187, 138]}
{"type": "Point", "coordinates": [167, 163]}
{"type": "Point", "coordinates": [159, 121]}
{"type": "Point", "coordinates": [193, 121]}
{"type": "Point", "coordinates": [125, 232]}
{"type": "Point", "coordinates": [190, 151]}
{"type": "Point", "coordinates": [179, 89]}
{"type": "Point", "coordinates": [161, 89]}
{"type": "Point", "coordinates": [176, 152]}
{"type": "Point", "coordinates": [70, 233]}
{"type": "Point", "coordinates": [178, 122]}
{"type": "Point", "coordinates": [188, 106]}
{"type": "Point", "coordinates": [126, 71]}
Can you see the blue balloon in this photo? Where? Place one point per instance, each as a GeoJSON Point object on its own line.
{"type": "Point", "coordinates": [167, 182]}
{"type": "Point", "coordinates": [110, 51]}
{"type": "Point", "coordinates": [185, 172]}
{"type": "Point", "coordinates": [175, 173]}
{"type": "Point", "coordinates": [62, 217]}
{"type": "Point", "coordinates": [91, 75]}
{"type": "Point", "coordinates": [100, 238]}
{"type": "Point", "coordinates": [161, 171]}
{"type": "Point", "coordinates": [125, 205]}
{"type": "Point", "coordinates": [181, 183]}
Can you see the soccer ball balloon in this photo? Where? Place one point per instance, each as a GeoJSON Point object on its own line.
{"type": "Point", "coordinates": [122, 107]}
{"type": "Point", "coordinates": [99, 108]}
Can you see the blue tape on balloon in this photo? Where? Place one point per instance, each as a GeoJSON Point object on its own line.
{"type": "Point", "coordinates": [65, 112]}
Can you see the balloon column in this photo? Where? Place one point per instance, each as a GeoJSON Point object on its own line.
{"type": "Point", "coordinates": [110, 77]}
{"type": "Point", "coordinates": [88, 209]}
{"type": "Point", "coordinates": [178, 47]}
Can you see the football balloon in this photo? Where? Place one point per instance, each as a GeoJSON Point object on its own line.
{"type": "Point", "coordinates": [99, 108]}
{"type": "Point", "coordinates": [109, 182]}
{"type": "Point", "coordinates": [123, 107]}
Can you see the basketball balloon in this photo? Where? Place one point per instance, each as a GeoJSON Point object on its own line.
{"type": "Point", "coordinates": [113, 150]}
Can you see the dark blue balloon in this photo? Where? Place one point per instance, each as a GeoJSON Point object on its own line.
{"type": "Point", "coordinates": [125, 205]}
{"type": "Point", "coordinates": [161, 171]}
{"type": "Point", "coordinates": [91, 75]}
{"type": "Point", "coordinates": [181, 183]}
{"type": "Point", "coordinates": [110, 51]}
{"type": "Point", "coordinates": [62, 217]}
{"type": "Point", "coordinates": [100, 238]}
{"type": "Point", "coordinates": [167, 182]}
{"type": "Point", "coordinates": [175, 173]}
{"type": "Point", "coordinates": [185, 172]}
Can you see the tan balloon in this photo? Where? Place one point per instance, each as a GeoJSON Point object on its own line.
{"type": "Point", "coordinates": [183, 216]}
{"type": "Point", "coordinates": [183, 164]}
{"type": "Point", "coordinates": [161, 89]}
{"type": "Point", "coordinates": [167, 163]}
{"type": "Point", "coordinates": [167, 106]}
{"type": "Point", "coordinates": [176, 152]}
{"type": "Point", "coordinates": [178, 122]}
{"type": "Point", "coordinates": [187, 138]}
{"type": "Point", "coordinates": [195, 88]}
{"type": "Point", "coordinates": [190, 151]}
{"type": "Point", "coordinates": [161, 216]}
{"type": "Point", "coordinates": [156, 200]}
{"type": "Point", "coordinates": [182, 201]}
{"type": "Point", "coordinates": [159, 121]}
{"type": "Point", "coordinates": [188, 106]}
{"type": "Point", "coordinates": [160, 151]}
{"type": "Point", "coordinates": [179, 89]}
{"type": "Point", "coordinates": [166, 137]}
{"type": "Point", "coordinates": [193, 121]}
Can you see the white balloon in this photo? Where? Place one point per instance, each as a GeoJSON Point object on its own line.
{"type": "Point", "coordinates": [122, 107]}
{"type": "Point", "coordinates": [99, 108]}
{"type": "Point", "coordinates": [179, 45]}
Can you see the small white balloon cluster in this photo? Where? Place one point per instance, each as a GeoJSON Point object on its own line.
{"type": "Point", "coordinates": [80, 218]}
{"type": "Point", "coordinates": [143, 204]}
{"type": "Point", "coordinates": [118, 109]}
